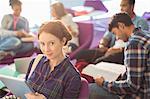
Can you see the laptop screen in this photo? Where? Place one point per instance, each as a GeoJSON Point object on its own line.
{"type": "Point", "coordinates": [22, 64]}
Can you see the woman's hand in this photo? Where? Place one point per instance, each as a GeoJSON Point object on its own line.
{"type": "Point", "coordinates": [24, 34]}
{"type": "Point", "coordinates": [20, 34]}
{"type": "Point", "coordinates": [25, 37]}
{"type": "Point", "coordinates": [34, 96]}
{"type": "Point", "coordinates": [73, 34]}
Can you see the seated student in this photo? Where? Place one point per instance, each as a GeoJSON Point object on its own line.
{"type": "Point", "coordinates": [15, 22]}
{"type": "Point", "coordinates": [10, 42]}
{"type": "Point", "coordinates": [117, 54]}
{"type": "Point", "coordinates": [106, 52]}
{"type": "Point", "coordinates": [137, 61]}
{"type": "Point", "coordinates": [54, 76]}
{"type": "Point", "coordinates": [58, 12]}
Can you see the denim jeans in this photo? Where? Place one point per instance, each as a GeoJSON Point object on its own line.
{"type": "Point", "coordinates": [15, 45]}
{"type": "Point", "coordinates": [97, 92]}
{"type": "Point", "coordinates": [9, 43]}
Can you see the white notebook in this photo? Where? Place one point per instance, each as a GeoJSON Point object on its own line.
{"type": "Point", "coordinates": [110, 71]}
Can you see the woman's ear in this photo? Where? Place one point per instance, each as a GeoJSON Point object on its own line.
{"type": "Point", "coordinates": [64, 40]}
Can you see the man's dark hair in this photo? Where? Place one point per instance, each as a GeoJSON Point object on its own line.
{"type": "Point", "coordinates": [120, 17]}
{"type": "Point", "coordinates": [131, 2]}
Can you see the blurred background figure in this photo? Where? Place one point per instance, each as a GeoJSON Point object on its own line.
{"type": "Point", "coordinates": [58, 12]}
{"type": "Point", "coordinates": [16, 23]}
{"type": "Point", "coordinates": [9, 42]}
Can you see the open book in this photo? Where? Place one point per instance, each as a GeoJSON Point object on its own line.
{"type": "Point", "coordinates": [110, 71]}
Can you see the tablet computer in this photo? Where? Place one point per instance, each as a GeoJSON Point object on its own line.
{"type": "Point", "coordinates": [17, 86]}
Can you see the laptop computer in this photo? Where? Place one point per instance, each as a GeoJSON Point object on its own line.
{"type": "Point", "coordinates": [17, 86]}
{"type": "Point", "coordinates": [22, 64]}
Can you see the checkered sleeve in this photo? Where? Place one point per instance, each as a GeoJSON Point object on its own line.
{"type": "Point", "coordinates": [135, 60]}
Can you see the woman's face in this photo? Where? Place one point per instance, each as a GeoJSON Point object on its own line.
{"type": "Point", "coordinates": [53, 14]}
{"type": "Point", "coordinates": [17, 10]}
{"type": "Point", "coordinates": [50, 45]}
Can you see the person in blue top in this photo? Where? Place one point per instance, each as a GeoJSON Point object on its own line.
{"type": "Point", "coordinates": [16, 22]}
{"type": "Point", "coordinates": [54, 76]}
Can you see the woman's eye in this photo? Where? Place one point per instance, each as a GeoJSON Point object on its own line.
{"type": "Point", "coordinates": [51, 43]}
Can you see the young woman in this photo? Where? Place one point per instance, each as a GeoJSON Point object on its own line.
{"type": "Point", "coordinates": [15, 22]}
{"type": "Point", "coordinates": [58, 12]}
{"type": "Point", "coordinates": [54, 76]}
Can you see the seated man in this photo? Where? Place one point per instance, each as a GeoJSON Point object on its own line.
{"type": "Point", "coordinates": [137, 62]}
{"type": "Point", "coordinates": [107, 50]}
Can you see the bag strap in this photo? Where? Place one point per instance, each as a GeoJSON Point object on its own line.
{"type": "Point", "coordinates": [36, 61]}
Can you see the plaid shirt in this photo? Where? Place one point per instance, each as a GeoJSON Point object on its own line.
{"type": "Point", "coordinates": [137, 61]}
{"type": "Point", "coordinates": [63, 82]}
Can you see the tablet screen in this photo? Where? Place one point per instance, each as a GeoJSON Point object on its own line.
{"type": "Point", "coordinates": [17, 86]}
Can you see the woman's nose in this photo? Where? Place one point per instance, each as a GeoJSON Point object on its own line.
{"type": "Point", "coordinates": [47, 48]}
